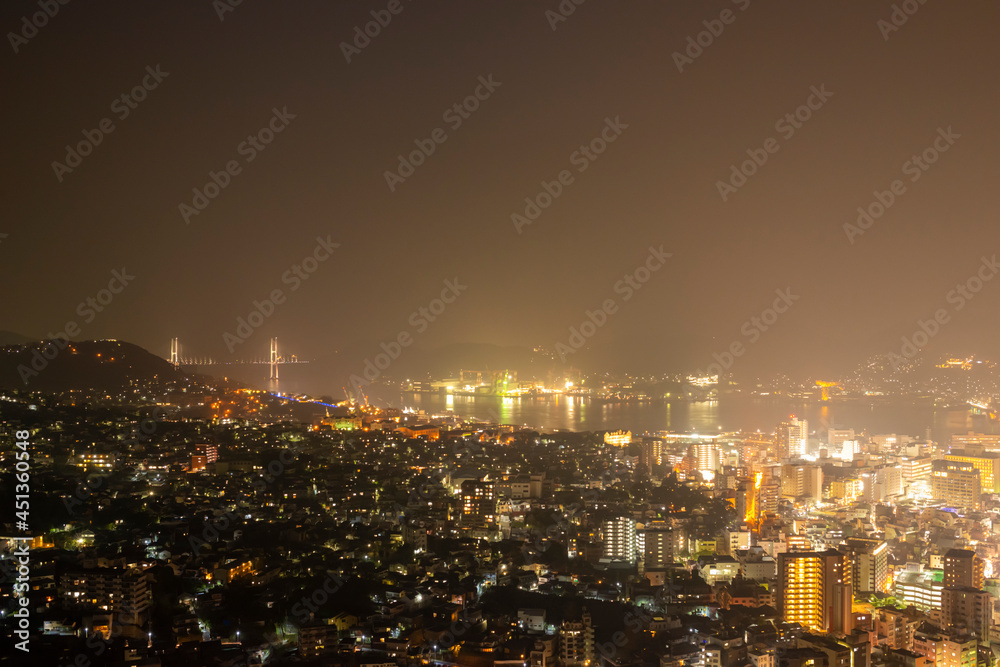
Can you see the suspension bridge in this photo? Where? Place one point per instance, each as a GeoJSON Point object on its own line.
{"type": "Point", "coordinates": [274, 359]}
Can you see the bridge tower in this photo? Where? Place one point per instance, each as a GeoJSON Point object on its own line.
{"type": "Point", "coordinates": [175, 347]}
{"type": "Point", "coordinates": [274, 358]}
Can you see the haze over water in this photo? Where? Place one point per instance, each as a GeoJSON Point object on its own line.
{"type": "Point", "coordinates": [730, 412]}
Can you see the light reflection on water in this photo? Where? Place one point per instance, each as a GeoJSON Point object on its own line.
{"type": "Point", "coordinates": [729, 413]}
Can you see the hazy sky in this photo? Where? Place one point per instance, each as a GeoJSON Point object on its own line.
{"type": "Point", "coordinates": [886, 95]}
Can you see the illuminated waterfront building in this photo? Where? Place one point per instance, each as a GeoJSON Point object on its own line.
{"type": "Point", "coordinates": [972, 438]}
{"type": "Point", "coordinates": [618, 438]}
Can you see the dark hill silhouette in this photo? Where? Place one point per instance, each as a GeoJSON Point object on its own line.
{"type": "Point", "coordinates": [13, 338]}
{"type": "Point", "coordinates": [102, 364]}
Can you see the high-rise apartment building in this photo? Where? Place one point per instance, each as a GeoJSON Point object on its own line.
{"type": "Point", "coordinates": [869, 564]}
{"type": "Point", "coordinates": [479, 502]}
{"type": "Point", "coordinates": [124, 591]}
{"type": "Point", "coordinates": [792, 438]}
{"type": "Point", "coordinates": [652, 454]}
{"type": "Point", "coordinates": [814, 589]}
{"type": "Point", "coordinates": [963, 568]}
{"type": "Point", "coordinates": [968, 609]}
{"type": "Point", "coordinates": [658, 547]}
{"type": "Point", "coordinates": [803, 482]}
{"type": "Point", "coordinates": [619, 539]}
{"type": "Point", "coordinates": [705, 456]}
{"type": "Point", "coordinates": [576, 642]}
{"type": "Point", "coordinates": [883, 483]}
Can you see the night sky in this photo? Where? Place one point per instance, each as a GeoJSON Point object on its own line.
{"type": "Point", "coordinates": [889, 94]}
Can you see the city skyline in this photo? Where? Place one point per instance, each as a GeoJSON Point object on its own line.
{"type": "Point", "coordinates": [500, 334]}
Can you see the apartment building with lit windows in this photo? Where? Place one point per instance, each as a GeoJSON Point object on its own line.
{"type": "Point", "coordinates": [814, 590]}
{"type": "Point", "coordinates": [869, 564]}
{"type": "Point", "coordinates": [619, 539]}
{"type": "Point", "coordinates": [956, 482]}
{"type": "Point", "coordinates": [479, 502]}
{"type": "Point", "coordinates": [124, 591]}
{"type": "Point", "coordinates": [963, 568]}
{"type": "Point", "coordinates": [946, 650]}
{"type": "Point", "coordinates": [987, 463]}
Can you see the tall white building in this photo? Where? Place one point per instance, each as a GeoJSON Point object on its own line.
{"type": "Point", "coordinates": [883, 483]}
{"type": "Point", "coordinates": [849, 448]}
{"type": "Point", "coordinates": [792, 438]}
{"type": "Point", "coordinates": [836, 437]}
{"type": "Point", "coordinates": [576, 642]}
{"type": "Point", "coordinates": [619, 539]}
{"type": "Point", "coordinates": [804, 482]}
{"type": "Point", "coordinates": [705, 456]}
